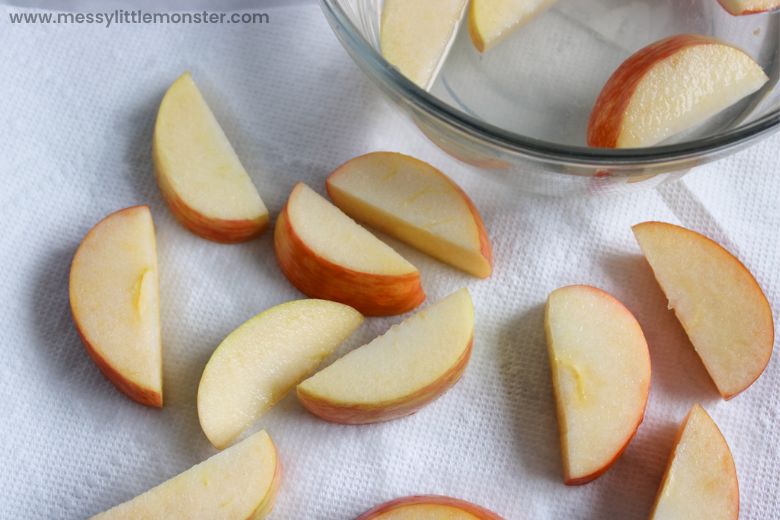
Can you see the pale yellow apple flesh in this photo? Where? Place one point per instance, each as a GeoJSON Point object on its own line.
{"type": "Point", "coordinates": [490, 21]}
{"type": "Point", "coordinates": [199, 173]}
{"type": "Point", "coordinates": [259, 362]}
{"type": "Point", "coordinates": [428, 507]}
{"type": "Point", "coordinates": [114, 298]}
{"type": "Point", "coordinates": [668, 87]}
{"type": "Point", "coordinates": [240, 482]}
{"type": "Point", "coordinates": [327, 255]}
{"type": "Point", "coordinates": [601, 377]}
{"type": "Point", "coordinates": [399, 372]}
{"type": "Point", "coordinates": [416, 36]}
{"type": "Point", "coordinates": [700, 480]}
{"type": "Point", "coordinates": [718, 302]}
{"type": "Point", "coordinates": [744, 7]}
{"type": "Point", "coordinates": [416, 203]}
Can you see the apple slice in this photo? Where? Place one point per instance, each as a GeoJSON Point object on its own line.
{"type": "Point", "coordinates": [240, 482]}
{"type": "Point", "coordinates": [416, 36]}
{"type": "Point", "coordinates": [718, 302]}
{"type": "Point", "coordinates": [325, 254]}
{"type": "Point", "coordinates": [700, 480]}
{"type": "Point", "coordinates": [259, 362]}
{"type": "Point", "coordinates": [490, 21]}
{"type": "Point", "coordinates": [744, 7]}
{"type": "Point", "coordinates": [199, 173]}
{"type": "Point", "coordinates": [601, 378]}
{"type": "Point", "coordinates": [398, 373]}
{"type": "Point", "coordinates": [668, 87]}
{"type": "Point", "coordinates": [428, 507]}
{"type": "Point", "coordinates": [114, 299]}
{"type": "Point", "coordinates": [416, 203]}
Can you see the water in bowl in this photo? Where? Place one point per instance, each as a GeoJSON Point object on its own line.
{"type": "Point", "coordinates": [543, 80]}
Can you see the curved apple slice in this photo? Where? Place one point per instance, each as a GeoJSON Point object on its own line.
{"type": "Point", "coordinates": [601, 378]}
{"type": "Point", "coordinates": [700, 480]}
{"type": "Point", "coordinates": [745, 7]}
{"type": "Point", "coordinates": [416, 36]}
{"type": "Point", "coordinates": [416, 203]}
{"type": "Point", "coordinates": [259, 362]}
{"type": "Point", "coordinates": [428, 507]}
{"type": "Point", "coordinates": [240, 482]}
{"type": "Point", "coordinates": [490, 21]}
{"type": "Point", "coordinates": [398, 373]}
{"type": "Point", "coordinates": [718, 302]}
{"type": "Point", "coordinates": [668, 87]}
{"type": "Point", "coordinates": [114, 299]}
{"type": "Point", "coordinates": [199, 173]}
{"type": "Point", "coordinates": [325, 254]}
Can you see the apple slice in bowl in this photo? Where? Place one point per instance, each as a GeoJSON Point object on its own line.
{"type": "Point", "coordinates": [428, 507]}
{"type": "Point", "coordinates": [668, 87]}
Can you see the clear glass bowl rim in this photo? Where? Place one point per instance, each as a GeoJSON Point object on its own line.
{"type": "Point", "coordinates": [517, 144]}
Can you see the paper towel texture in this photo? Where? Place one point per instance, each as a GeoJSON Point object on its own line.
{"type": "Point", "coordinates": [78, 105]}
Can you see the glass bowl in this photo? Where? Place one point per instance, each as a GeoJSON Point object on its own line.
{"type": "Point", "coordinates": [521, 109]}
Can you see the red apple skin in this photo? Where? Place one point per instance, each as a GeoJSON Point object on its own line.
{"type": "Point", "coordinates": [137, 393]}
{"type": "Point", "coordinates": [317, 277]}
{"type": "Point", "coordinates": [391, 410]}
{"type": "Point", "coordinates": [748, 11]}
{"type": "Point", "coordinates": [484, 242]}
{"type": "Point", "coordinates": [606, 119]}
{"type": "Point", "coordinates": [399, 503]}
{"type": "Point", "coordinates": [217, 230]}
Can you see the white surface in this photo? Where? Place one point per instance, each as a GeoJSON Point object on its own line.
{"type": "Point", "coordinates": [78, 105]}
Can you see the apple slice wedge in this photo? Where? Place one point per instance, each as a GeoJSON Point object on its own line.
{"type": "Point", "coordinates": [700, 481]}
{"type": "Point", "coordinates": [114, 299]}
{"type": "Point", "coordinates": [326, 254]}
{"type": "Point", "coordinates": [720, 305]}
{"type": "Point", "coordinates": [428, 507]}
{"type": "Point", "coordinates": [745, 7]}
{"type": "Point", "coordinates": [199, 174]}
{"type": "Point", "coordinates": [668, 87]}
{"type": "Point", "coordinates": [414, 202]}
{"type": "Point", "coordinates": [259, 362]}
{"type": "Point", "coordinates": [490, 21]}
{"type": "Point", "coordinates": [399, 372]}
{"type": "Point", "coordinates": [601, 378]}
{"type": "Point", "coordinates": [416, 36]}
{"type": "Point", "coordinates": [240, 482]}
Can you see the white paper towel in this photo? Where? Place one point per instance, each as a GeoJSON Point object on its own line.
{"type": "Point", "coordinates": [78, 105]}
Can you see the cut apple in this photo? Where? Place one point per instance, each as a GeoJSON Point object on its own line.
{"type": "Point", "coordinates": [700, 481]}
{"type": "Point", "coordinates": [398, 373]}
{"type": "Point", "coordinates": [416, 36]}
{"type": "Point", "coordinates": [428, 507]}
{"type": "Point", "coordinates": [744, 7]}
{"type": "Point", "coordinates": [668, 87]}
{"type": "Point", "coordinates": [114, 298]}
{"type": "Point", "coordinates": [240, 482]}
{"type": "Point", "coordinates": [259, 362]}
{"type": "Point", "coordinates": [601, 378]}
{"type": "Point", "coordinates": [718, 302]}
{"type": "Point", "coordinates": [416, 203]}
{"type": "Point", "coordinates": [325, 254]}
{"type": "Point", "coordinates": [490, 21]}
{"type": "Point", "coordinates": [199, 173]}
